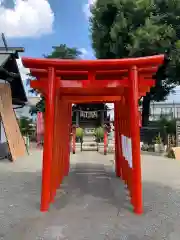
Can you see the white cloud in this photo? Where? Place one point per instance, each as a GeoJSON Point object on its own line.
{"type": "Point", "coordinates": [84, 52]}
{"type": "Point", "coordinates": [87, 6]}
{"type": "Point", "coordinates": [30, 18]}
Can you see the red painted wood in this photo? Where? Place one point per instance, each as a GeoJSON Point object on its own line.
{"type": "Point", "coordinates": [105, 141]}
{"type": "Point", "coordinates": [99, 74]}
{"type": "Point", "coordinates": [48, 142]}
{"type": "Point", "coordinates": [135, 137]}
{"type": "Point", "coordinates": [109, 64]}
{"type": "Point", "coordinates": [122, 81]}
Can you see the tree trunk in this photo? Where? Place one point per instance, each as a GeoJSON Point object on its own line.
{"type": "Point", "coordinates": [145, 110]}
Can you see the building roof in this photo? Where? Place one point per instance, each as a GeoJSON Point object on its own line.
{"type": "Point", "coordinates": [9, 71]}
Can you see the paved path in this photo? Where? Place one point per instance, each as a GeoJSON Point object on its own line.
{"type": "Point", "coordinates": [92, 202]}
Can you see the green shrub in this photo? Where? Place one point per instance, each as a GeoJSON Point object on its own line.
{"type": "Point", "coordinates": [158, 139]}
{"type": "Point", "coordinates": [99, 134]}
{"type": "Point", "coordinates": [79, 133]}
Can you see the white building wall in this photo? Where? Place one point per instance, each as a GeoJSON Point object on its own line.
{"type": "Point", "coordinates": [158, 109]}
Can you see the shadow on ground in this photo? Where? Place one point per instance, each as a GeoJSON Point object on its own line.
{"type": "Point", "coordinates": [91, 204]}
{"type": "Point", "coordinates": [90, 181]}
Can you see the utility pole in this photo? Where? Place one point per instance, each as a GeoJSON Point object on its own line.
{"type": "Point", "coordinates": [4, 41]}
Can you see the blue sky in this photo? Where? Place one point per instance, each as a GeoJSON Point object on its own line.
{"type": "Point", "coordinates": [69, 26]}
{"type": "Point", "coordinates": [37, 25]}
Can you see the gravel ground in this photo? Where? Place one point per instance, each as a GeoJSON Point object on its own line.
{"type": "Point", "coordinates": [92, 202]}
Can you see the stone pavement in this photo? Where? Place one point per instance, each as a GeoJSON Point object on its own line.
{"type": "Point", "coordinates": [91, 203]}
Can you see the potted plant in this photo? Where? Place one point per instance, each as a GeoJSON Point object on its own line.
{"type": "Point", "coordinates": [158, 146]}
{"type": "Point", "coordinates": [99, 134]}
{"type": "Point", "coordinates": [79, 135]}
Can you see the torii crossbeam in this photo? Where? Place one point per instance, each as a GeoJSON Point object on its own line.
{"type": "Point", "coordinates": [63, 82]}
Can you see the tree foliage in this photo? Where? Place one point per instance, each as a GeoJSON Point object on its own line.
{"type": "Point", "coordinates": [169, 125]}
{"type": "Point", "coordinates": [64, 52]}
{"type": "Point", "coordinates": [137, 28]}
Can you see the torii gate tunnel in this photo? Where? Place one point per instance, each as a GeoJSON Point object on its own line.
{"type": "Point", "coordinates": [120, 81]}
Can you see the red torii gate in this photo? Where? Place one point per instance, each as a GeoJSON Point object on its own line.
{"type": "Point", "coordinates": [63, 82]}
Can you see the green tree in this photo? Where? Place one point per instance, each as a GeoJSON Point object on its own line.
{"type": "Point", "coordinates": [169, 125]}
{"type": "Point", "coordinates": [26, 126]}
{"type": "Point", "coordinates": [61, 52]}
{"type": "Point", "coordinates": [137, 28]}
{"type": "Point", "coordinates": [64, 52]}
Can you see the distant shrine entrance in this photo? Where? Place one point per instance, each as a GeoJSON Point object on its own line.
{"type": "Point", "coordinates": [66, 82]}
{"type": "Point", "coordinates": [90, 116]}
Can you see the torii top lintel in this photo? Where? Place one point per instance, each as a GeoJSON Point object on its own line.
{"type": "Point", "coordinates": [82, 77]}
{"type": "Point", "coordinates": [100, 64]}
